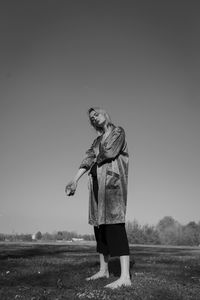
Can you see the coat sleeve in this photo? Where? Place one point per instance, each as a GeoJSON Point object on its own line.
{"type": "Point", "coordinates": [112, 146]}
{"type": "Point", "coordinates": [89, 159]}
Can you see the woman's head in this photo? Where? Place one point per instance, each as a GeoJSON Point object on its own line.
{"type": "Point", "coordinates": [99, 118]}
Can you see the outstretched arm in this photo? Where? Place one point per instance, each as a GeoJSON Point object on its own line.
{"type": "Point", "coordinates": [85, 165]}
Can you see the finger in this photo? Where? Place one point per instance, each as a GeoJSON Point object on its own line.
{"type": "Point", "coordinates": [67, 190]}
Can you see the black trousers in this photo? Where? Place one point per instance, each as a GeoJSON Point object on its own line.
{"type": "Point", "coordinates": [111, 238]}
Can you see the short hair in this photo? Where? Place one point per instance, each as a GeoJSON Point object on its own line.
{"type": "Point", "coordinates": [101, 111]}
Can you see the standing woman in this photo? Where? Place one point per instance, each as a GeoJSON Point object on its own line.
{"type": "Point", "coordinates": [106, 162]}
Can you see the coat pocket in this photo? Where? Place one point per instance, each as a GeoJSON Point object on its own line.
{"type": "Point", "coordinates": [112, 180]}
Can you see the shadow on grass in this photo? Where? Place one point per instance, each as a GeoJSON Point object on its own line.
{"type": "Point", "coordinates": [25, 251]}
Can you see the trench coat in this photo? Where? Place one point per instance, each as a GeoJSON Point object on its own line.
{"type": "Point", "coordinates": [111, 157]}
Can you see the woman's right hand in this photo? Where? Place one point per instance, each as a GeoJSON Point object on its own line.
{"type": "Point", "coordinates": [71, 188]}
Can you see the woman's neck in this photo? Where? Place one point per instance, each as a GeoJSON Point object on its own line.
{"type": "Point", "coordinates": [106, 129]}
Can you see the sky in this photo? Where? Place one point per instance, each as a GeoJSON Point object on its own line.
{"type": "Point", "coordinates": [140, 61]}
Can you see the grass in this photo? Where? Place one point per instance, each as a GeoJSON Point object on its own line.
{"type": "Point", "coordinates": [38, 271]}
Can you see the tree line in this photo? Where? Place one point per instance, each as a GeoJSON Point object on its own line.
{"type": "Point", "coordinates": [168, 231]}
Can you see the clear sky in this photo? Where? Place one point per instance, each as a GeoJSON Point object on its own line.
{"type": "Point", "coordinates": [140, 61]}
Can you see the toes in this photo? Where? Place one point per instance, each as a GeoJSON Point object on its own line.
{"type": "Point", "coordinates": [118, 284]}
{"type": "Point", "coordinates": [97, 276]}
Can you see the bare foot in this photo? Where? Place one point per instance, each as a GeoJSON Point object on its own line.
{"type": "Point", "coordinates": [98, 275]}
{"type": "Point", "coordinates": [119, 283]}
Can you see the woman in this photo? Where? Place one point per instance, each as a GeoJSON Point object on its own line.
{"type": "Point", "coordinates": [107, 163]}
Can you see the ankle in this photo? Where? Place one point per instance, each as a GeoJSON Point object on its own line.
{"type": "Point", "coordinates": [125, 277]}
{"type": "Point", "coordinates": [103, 270]}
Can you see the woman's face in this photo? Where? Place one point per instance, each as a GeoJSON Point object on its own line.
{"type": "Point", "coordinates": [97, 118]}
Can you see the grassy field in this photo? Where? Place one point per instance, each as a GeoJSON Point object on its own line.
{"type": "Point", "coordinates": [38, 271]}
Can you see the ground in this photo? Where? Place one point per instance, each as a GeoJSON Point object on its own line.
{"type": "Point", "coordinates": [55, 271]}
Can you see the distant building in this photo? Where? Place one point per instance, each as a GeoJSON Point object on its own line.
{"type": "Point", "coordinates": [34, 237]}
{"type": "Point", "coordinates": [77, 239]}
